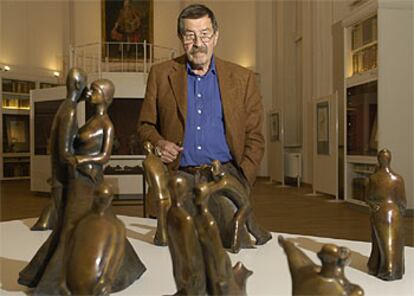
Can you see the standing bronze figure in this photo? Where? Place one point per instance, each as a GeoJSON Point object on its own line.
{"type": "Point", "coordinates": [222, 279]}
{"type": "Point", "coordinates": [183, 243]}
{"type": "Point", "coordinates": [62, 137]}
{"type": "Point", "coordinates": [156, 174]}
{"type": "Point", "coordinates": [200, 263]}
{"type": "Point", "coordinates": [387, 203]}
{"type": "Point", "coordinates": [326, 280]}
{"type": "Point", "coordinates": [92, 146]}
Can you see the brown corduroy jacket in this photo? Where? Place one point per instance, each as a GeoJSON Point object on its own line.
{"type": "Point", "coordinates": [164, 110]}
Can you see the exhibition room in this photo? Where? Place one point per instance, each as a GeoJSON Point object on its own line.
{"type": "Point", "coordinates": [259, 147]}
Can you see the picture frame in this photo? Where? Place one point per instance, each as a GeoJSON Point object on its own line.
{"type": "Point", "coordinates": [16, 134]}
{"type": "Point", "coordinates": [274, 126]}
{"type": "Point", "coordinates": [126, 24]}
{"type": "Point", "coordinates": [322, 128]}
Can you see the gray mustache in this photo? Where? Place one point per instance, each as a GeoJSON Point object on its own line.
{"type": "Point", "coordinates": [201, 49]}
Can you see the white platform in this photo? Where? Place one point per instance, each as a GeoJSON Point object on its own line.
{"type": "Point", "coordinates": [269, 264]}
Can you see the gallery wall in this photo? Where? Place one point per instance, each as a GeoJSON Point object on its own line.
{"type": "Point", "coordinates": [31, 35]}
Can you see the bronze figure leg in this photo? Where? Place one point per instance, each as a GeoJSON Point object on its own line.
{"type": "Point", "coordinates": [160, 238]}
{"type": "Point", "coordinates": [374, 258]}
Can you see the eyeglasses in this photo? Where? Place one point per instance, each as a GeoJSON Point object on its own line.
{"type": "Point", "coordinates": [190, 37]}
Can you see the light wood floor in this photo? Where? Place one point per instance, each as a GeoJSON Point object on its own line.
{"type": "Point", "coordinates": [278, 209]}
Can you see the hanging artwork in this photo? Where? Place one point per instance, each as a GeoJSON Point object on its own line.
{"type": "Point", "coordinates": [322, 127]}
{"type": "Point", "coordinates": [274, 126]}
{"type": "Point", "coordinates": [126, 24]}
{"type": "Point", "coordinates": [16, 133]}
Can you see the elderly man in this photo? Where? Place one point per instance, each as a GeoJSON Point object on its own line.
{"type": "Point", "coordinates": [199, 108]}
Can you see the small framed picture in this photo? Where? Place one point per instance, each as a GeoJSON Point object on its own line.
{"type": "Point", "coordinates": [322, 127]}
{"type": "Point", "coordinates": [16, 133]}
{"type": "Point", "coordinates": [274, 127]}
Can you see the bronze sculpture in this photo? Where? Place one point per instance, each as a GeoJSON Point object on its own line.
{"type": "Point", "coordinates": [156, 174]}
{"type": "Point", "coordinates": [326, 280]}
{"type": "Point", "coordinates": [201, 266]}
{"type": "Point", "coordinates": [98, 237]}
{"type": "Point", "coordinates": [242, 221]}
{"type": "Point", "coordinates": [222, 279]}
{"type": "Point", "coordinates": [387, 203]}
{"type": "Point", "coordinates": [185, 249]}
{"type": "Point", "coordinates": [92, 147]}
{"type": "Point", "coordinates": [62, 137]}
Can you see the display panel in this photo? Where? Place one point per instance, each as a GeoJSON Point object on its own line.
{"type": "Point", "coordinates": [44, 112]}
{"type": "Point", "coordinates": [124, 114]}
{"type": "Point", "coordinates": [362, 119]}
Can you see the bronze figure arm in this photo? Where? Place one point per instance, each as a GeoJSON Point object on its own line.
{"type": "Point", "coordinates": [106, 150]}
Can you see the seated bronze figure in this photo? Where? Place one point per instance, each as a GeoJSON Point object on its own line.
{"type": "Point", "coordinates": [387, 203]}
{"type": "Point", "coordinates": [326, 280]}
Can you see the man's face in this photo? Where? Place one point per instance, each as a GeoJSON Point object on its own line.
{"type": "Point", "coordinates": [199, 41]}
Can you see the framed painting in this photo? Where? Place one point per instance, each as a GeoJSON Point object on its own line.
{"type": "Point", "coordinates": [322, 127]}
{"type": "Point", "coordinates": [126, 24]}
{"type": "Point", "coordinates": [274, 126]}
{"type": "Point", "coordinates": [16, 133]}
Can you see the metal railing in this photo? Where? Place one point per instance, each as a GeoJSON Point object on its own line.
{"type": "Point", "coordinates": [118, 56]}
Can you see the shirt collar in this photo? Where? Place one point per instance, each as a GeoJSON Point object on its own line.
{"type": "Point", "coordinates": [211, 69]}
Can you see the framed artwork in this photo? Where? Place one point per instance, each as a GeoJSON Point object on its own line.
{"type": "Point", "coordinates": [124, 24]}
{"type": "Point", "coordinates": [16, 133]}
{"type": "Point", "coordinates": [322, 127]}
{"type": "Point", "coordinates": [274, 126]}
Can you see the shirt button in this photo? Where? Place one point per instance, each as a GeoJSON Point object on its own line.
{"type": "Point", "coordinates": [198, 128]}
{"type": "Point", "coordinates": [199, 95]}
{"type": "Point", "coordinates": [199, 111]}
{"type": "Point", "coordinates": [198, 78]}
{"type": "Point", "coordinates": [198, 147]}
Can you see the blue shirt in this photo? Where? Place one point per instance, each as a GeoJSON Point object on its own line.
{"type": "Point", "coordinates": [205, 136]}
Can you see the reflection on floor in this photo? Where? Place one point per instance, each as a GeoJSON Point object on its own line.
{"type": "Point", "coordinates": [279, 209]}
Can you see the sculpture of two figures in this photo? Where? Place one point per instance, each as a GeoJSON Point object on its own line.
{"type": "Point", "coordinates": [200, 264]}
{"type": "Point", "coordinates": [326, 280]}
{"type": "Point", "coordinates": [85, 231]}
{"type": "Point", "coordinates": [387, 203]}
{"type": "Point", "coordinates": [234, 225]}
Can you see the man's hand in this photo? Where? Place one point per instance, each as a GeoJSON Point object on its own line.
{"type": "Point", "coordinates": [167, 151]}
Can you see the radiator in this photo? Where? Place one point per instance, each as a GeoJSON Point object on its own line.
{"type": "Point", "coordinates": [293, 166]}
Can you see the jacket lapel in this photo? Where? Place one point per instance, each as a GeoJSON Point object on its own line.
{"type": "Point", "coordinates": [178, 83]}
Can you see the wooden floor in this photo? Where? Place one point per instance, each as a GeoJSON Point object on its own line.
{"type": "Point", "coordinates": [278, 209]}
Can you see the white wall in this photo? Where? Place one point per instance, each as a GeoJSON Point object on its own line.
{"type": "Point", "coordinates": [396, 89]}
{"type": "Point", "coordinates": [264, 61]}
{"type": "Point", "coordinates": [32, 34]}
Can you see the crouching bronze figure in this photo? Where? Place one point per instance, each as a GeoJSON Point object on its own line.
{"type": "Point", "coordinates": [98, 237]}
{"type": "Point", "coordinates": [387, 203]}
{"type": "Point", "coordinates": [326, 280]}
{"type": "Point", "coordinates": [242, 220]}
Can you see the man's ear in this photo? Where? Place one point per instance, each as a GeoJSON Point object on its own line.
{"type": "Point", "coordinates": [216, 36]}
